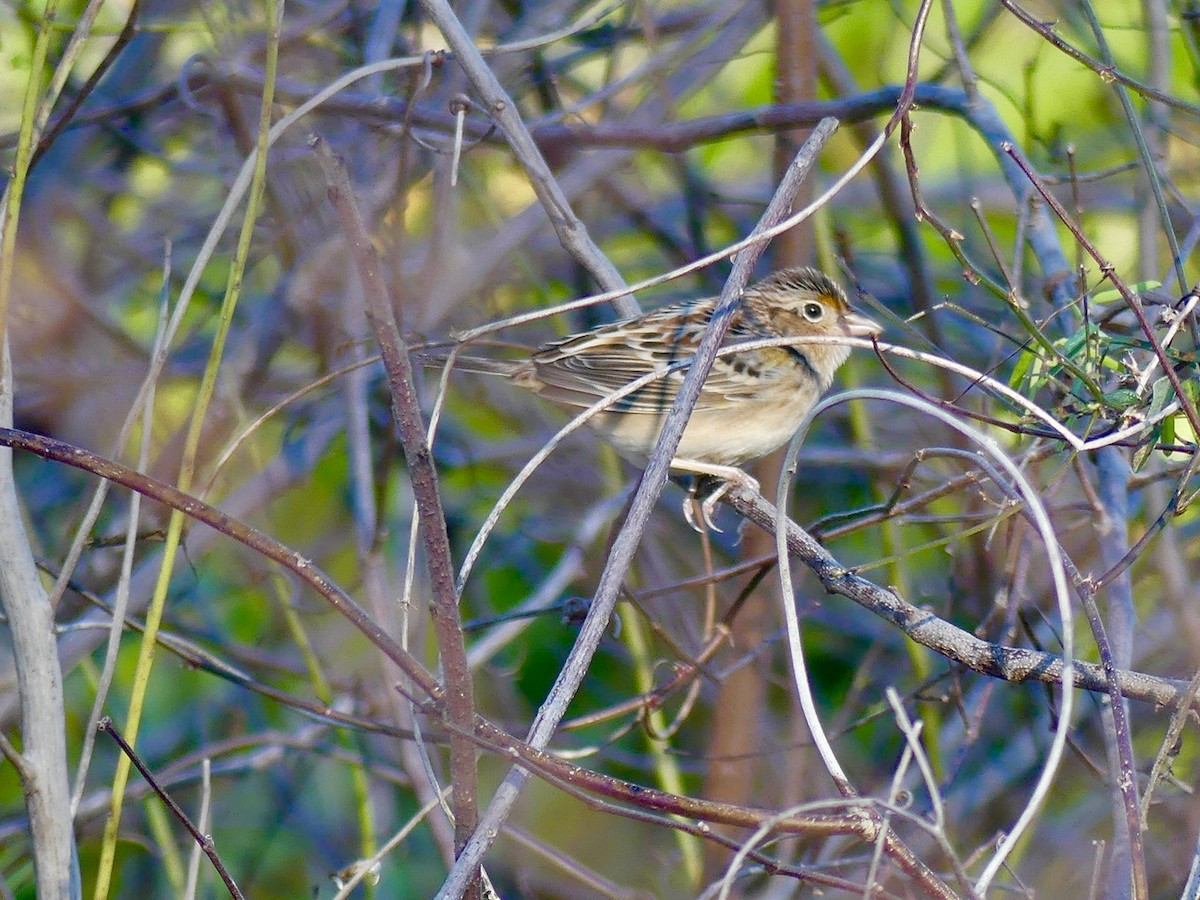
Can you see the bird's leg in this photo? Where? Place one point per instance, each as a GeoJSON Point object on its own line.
{"type": "Point", "coordinates": [714, 483]}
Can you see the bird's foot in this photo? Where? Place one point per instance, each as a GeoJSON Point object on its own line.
{"type": "Point", "coordinates": [708, 488]}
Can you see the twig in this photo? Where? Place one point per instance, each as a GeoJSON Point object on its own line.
{"type": "Point", "coordinates": [1012, 664]}
{"type": "Point", "coordinates": [1106, 72]}
{"type": "Point", "coordinates": [120, 607]}
{"type": "Point", "coordinates": [1130, 297]}
{"type": "Point", "coordinates": [1149, 165]}
{"type": "Point", "coordinates": [266, 546]}
{"type": "Point", "coordinates": [1113, 492]}
{"type": "Point", "coordinates": [407, 412]}
{"type": "Point", "coordinates": [366, 866]}
{"type": "Point", "coordinates": [571, 231]}
{"type": "Point", "coordinates": [206, 844]}
{"type": "Point", "coordinates": [128, 31]}
{"type": "Point", "coordinates": [1169, 747]}
{"type": "Point", "coordinates": [193, 873]}
{"type": "Point", "coordinates": [1058, 574]}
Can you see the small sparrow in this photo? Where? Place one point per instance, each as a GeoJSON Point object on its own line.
{"type": "Point", "coordinates": [752, 401]}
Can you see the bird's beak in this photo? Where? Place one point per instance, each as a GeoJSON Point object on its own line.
{"type": "Point", "coordinates": [858, 325]}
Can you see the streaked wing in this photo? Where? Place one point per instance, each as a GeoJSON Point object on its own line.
{"type": "Point", "coordinates": [581, 369]}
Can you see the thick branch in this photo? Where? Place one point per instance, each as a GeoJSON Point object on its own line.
{"type": "Point", "coordinates": [1015, 664]}
{"type": "Point", "coordinates": [43, 755]}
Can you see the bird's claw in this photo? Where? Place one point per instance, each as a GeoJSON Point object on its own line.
{"type": "Point", "coordinates": [707, 507]}
{"type": "Point", "coordinates": [707, 491]}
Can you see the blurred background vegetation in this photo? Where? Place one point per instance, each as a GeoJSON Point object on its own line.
{"type": "Point", "coordinates": [266, 708]}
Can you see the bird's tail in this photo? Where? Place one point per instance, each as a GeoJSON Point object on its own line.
{"type": "Point", "coordinates": [482, 365]}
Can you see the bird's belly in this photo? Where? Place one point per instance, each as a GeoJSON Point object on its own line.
{"type": "Point", "coordinates": [724, 436]}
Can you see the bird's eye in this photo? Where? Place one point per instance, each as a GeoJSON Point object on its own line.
{"type": "Point", "coordinates": [814, 311]}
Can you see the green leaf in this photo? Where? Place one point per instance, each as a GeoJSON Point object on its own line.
{"type": "Point", "coordinates": [1121, 399]}
{"type": "Point", "coordinates": [1181, 432]}
{"type": "Point", "coordinates": [1160, 396]}
{"type": "Point", "coordinates": [1168, 432]}
{"type": "Point", "coordinates": [1072, 344]}
{"type": "Point", "coordinates": [1025, 365]}
{"type": "Point", "coordinates": [1142, 454]}
{"type": "Point", "coordinates": [1032, 365]}
{"type": "Point", "coordinates": [1114, 295]}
